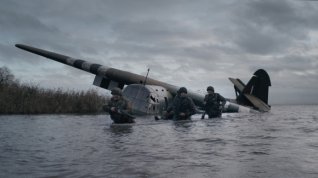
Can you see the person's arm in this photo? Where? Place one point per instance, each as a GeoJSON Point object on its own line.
{"type": "Point", "coordinates": [193, 109]}
{"type": "Point", "coordinates": [123, 107]}
{"type": "Point", "coordinates": [205, 101]}
{"type": "Point", "coordinates": [107, 107]}
{"type": "Point", "coordinates": [222, 100]}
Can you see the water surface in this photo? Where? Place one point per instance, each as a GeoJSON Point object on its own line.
{"type": "Point", "coordinates": [282, 143]}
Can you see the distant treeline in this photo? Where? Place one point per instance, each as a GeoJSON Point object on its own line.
{"type": "Point", "coordinates": [16, 98]}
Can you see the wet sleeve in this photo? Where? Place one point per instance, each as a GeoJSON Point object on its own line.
{"type": "Point", "coordinates": [124, 104]}
{"type": "Point", "coordinates": [193, 108]}
{"type": "Point", "coordinates": [222, 99]}
{"type": "Point", "coordinates": [107, 106]}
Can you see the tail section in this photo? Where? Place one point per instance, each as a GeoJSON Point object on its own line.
{"type": "Point", "coordinates": [255, 92]}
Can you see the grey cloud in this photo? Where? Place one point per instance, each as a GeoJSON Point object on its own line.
{"type": "Point", "coordinates": [285, 16]}
{"type": "Point", "coordinates": [186, 43]}
{"type": "Point", "coordinates": [270, 27]}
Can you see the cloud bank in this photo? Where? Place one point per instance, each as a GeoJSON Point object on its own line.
{"type": "Point", "coordinates": [186, 43]}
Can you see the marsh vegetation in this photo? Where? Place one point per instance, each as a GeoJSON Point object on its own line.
{"type": "Point", "coordinates": [21, 98]}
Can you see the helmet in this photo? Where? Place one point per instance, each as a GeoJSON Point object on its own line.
{"type": "Point", "coordinates": [182, 90]}
{"type": "Point", "coordinates": [116, 91]}
{"type": "Point", "coordinates": [210, 88]}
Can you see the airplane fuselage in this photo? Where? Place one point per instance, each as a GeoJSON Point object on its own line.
{"type": "Point", "coordinates": [146, 96]}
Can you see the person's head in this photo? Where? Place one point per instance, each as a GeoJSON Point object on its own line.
{"type": "Point", "coordinates": [182, 91]}
{"type": "Point", "coordinates": [210, 90]}
{"type": "Point", "coordinates": [116, 92]}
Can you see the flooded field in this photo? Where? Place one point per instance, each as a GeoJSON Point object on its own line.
{"type": "Point", "coordinates": [282, 143]}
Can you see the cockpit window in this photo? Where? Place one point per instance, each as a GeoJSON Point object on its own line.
{"type": "Point", "coordinates": [153, 98]}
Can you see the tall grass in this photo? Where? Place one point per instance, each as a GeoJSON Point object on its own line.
{"type": "Point", "coordinates": [16, 98]}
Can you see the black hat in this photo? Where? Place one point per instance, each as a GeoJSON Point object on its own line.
{"type": "Point", "coordinates": [210, 88]}
{"type": "Point", "coordinates": [182, 90]}
{"type": "Point", "coordinates": [116, 91]}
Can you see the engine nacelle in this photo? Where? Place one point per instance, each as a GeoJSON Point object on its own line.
{"type": "Point", "coordinates": [147, 99]}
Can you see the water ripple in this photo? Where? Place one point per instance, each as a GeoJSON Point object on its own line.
{"type": "Point", "coordinates": [277, 144]}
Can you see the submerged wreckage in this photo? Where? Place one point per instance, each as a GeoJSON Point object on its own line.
{"type": "Point", "coordinates": [153, 96]}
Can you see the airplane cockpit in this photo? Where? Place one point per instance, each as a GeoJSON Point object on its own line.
{"type": "Point", "coordinates": [147, 99]}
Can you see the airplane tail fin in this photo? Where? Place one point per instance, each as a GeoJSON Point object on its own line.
{"type": "Point", "coordinates": [255, 92]}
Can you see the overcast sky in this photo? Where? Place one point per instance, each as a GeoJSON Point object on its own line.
{"type": "Point", "coordinates": [183, 42]}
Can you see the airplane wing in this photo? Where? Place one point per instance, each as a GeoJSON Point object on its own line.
{"type": "Point", "coordinates": [108, 78]}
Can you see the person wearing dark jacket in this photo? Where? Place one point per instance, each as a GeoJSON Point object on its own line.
{"type": "Point", "coordinates": [214, 103]}
{"type": "Point", "coordinates": [182, 107]}
{"type": "Point", "coordinates": [118, 108]}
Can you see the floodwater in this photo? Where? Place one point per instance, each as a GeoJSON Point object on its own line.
{"type": "Point", "coordinates": [282, 143]}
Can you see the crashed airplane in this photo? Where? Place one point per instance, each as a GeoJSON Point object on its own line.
{"type": "Point", "coordinates": [150, 96]}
